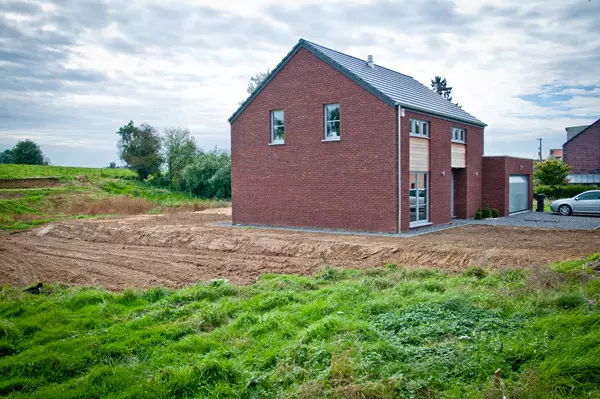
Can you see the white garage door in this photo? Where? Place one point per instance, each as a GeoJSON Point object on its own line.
{"type": "Point", "coordinates": [518, 196]}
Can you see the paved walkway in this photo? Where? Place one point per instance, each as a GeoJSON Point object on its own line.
{"type": "Point", "coordinates": [540, 219]}
{"type": "Point", "coordinates": [525, 219]}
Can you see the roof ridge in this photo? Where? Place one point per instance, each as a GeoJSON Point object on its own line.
{"type": "Point", "coordinates": [356, 58]}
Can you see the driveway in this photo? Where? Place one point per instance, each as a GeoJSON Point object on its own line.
{"type": "Point", "coordinates": [541, 219]}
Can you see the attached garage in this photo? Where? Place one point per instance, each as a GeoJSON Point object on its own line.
{"type": "Point", "coordinates": [518, 193]}
{"type": "Point", "coordinates": [507, 184]}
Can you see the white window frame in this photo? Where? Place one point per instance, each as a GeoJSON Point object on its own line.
{"type": "Point", "coordinates": [459, 135]}
{"type": "Point", "coordinates": [326, 121]}
{"type": "Point", "coordinates": [420, 125]}
{"type": "Point", "coordinates": [275, 141]}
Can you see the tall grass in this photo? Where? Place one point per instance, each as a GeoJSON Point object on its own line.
{"type": "Point", "coordinates": [378, 333]}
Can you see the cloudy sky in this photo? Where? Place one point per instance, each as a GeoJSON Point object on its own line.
{"type": "Point", "coordinates": [72, 72]}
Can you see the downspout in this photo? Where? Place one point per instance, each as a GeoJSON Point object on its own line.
{"type": "Point", "coordinates": [399, 170]}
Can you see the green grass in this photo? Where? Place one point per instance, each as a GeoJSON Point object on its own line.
{"type": "Point", "coordinates": [63, 172]}
{"type": "Point", "coordinates": [379, 333]}
{"type": "Point", "coordinates": [26, 208]}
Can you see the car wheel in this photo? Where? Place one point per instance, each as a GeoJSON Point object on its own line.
{"type": "Point", "coordinates": [564, 210]}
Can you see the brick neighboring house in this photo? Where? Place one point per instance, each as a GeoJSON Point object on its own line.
{"type": "Point", "coordinates": [332, 141]}
{"type": "Point", "coordinates": [582, 153]}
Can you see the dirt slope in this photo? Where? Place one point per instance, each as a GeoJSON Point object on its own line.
{"type": "Point", "coordinates": [181, 249]}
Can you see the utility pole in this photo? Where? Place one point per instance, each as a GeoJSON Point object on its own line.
{"type": "Point", "coordinates": [540, 140]}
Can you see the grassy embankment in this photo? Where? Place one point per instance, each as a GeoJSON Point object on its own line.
{"type": "Point", "coordinates": [105, 192]}
{"type": "Point", "coordinates": [379, 333]}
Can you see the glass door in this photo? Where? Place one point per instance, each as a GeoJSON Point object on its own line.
{"type": "Point", "coordinates": [419, 198]}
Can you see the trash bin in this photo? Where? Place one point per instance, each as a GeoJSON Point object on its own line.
{"type": "Point", "coordinates": [540, 202]}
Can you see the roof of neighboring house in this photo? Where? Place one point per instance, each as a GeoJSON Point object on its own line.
{"type": "Point", "coordinates": [574, 131]}
{"type": "Point", "coordinates": [557, 152]}
{"type": "Point", "coordinates": [392, 87]}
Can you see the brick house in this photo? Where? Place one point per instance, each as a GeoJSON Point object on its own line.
{"type": "Point", "coordinates": [582, 153]}
{"type": "Point", "coordinates": [332, 141]}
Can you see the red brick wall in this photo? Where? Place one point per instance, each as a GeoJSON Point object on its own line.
{"type": "Point", "coordinates": [583, 152]}
{"type": "Point", "coordinates": [350, 184]}
{"type": "Point", "coordinates": [496, 172]}
{"type": "Point", "coordinates": [468, 184]}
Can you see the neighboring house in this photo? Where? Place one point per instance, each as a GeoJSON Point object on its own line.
{"type": "Point", "coordinates": [332, 141]}
{"type": "Point", "coordinates": [582, 153]}
{"type": "Point", "coordinates": [556, 153]}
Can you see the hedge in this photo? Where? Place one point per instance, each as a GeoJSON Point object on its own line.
{"type": "Point", "coordinates": [563, 191]}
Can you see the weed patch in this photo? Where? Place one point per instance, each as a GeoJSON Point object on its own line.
{"type": "Point", "coordinates": [381, 333]}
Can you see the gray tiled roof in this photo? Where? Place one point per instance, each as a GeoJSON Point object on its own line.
{"type": "Point", "coordinates": [392, 87]}
{"type": "Point", "coordinates": [402, 89]}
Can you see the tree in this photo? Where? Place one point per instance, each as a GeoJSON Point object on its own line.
{"type": "Point", "coordinates": [179, 149]}
{"type": "Point", "coordinates": [440, 86]}
{"type": "Point", "coordinates": [256, 81]}
{"type": "Point", "coordinates": [27, 153]}
{"type": "Point", "coordinates": [112, 165]}
{"type": "Point", "coordinates": [551, 172]}
{"type": "Point", "coordinates": [139, 148]}
{"type": "Point", "coordinates": [6, 156]}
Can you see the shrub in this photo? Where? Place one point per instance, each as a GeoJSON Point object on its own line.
{"type": "Point", "coordinates": [209, 176]}
{"type": "Point", "coordinates": [495, 212]}
{"type": "Point", "coordinates": [159, 180]}
{"type": "Point", "coordinates": [486, 213]}
{"type": "Point", "coordinates": [478, 214]}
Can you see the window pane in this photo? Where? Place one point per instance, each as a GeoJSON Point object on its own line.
{"type": "Point", "coordinates": [422, 198]}
{"type": "Point", "coordinates": [333, 112]}
{"type": "Point", "coordinates": [278, 133]}
{"type": "Point", "coordinates": [413, 197]}
{"type": "Point", "coordinates": [333, 129]}
{"type": "Point", "coordinates": [425, 129]}
{"type": "Point", "coordinates": [417, 128]}
{"type": "Point", "coordinates": [277, 118]}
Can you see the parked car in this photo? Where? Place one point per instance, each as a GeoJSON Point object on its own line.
{"type": "Point", "coordinates": [587, 202]}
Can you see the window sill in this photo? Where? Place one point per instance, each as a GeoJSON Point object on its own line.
{"type": "Point", "coordinates": [334, 139]}
{"type": "Point", "coordinates": [420, 136]}
{"type": "Point", "coordinates": [277, 143]}
{"type": "Point", "coordinates": [459, 142]}
{"type": "Point", "coordinates": [419, 224]}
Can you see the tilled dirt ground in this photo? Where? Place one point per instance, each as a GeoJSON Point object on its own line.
{"type": "Point", "coordinates": [181, 249]}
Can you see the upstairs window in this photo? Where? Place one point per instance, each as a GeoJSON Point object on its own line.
{"type": "Point", "coordinates": [277, 127]}
{"type": "Point", "coordinates": [458, 135]}
{"type": "Point", "coordinates": [332, 122]}
{"type": "Point", "coordinates": [419, 128]}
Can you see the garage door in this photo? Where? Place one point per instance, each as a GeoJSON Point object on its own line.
{"type": "Point", "coordinates": [518, 197]}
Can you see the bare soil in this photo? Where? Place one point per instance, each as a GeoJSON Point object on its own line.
{"type": "Point", "coordinates": [176, 250]}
